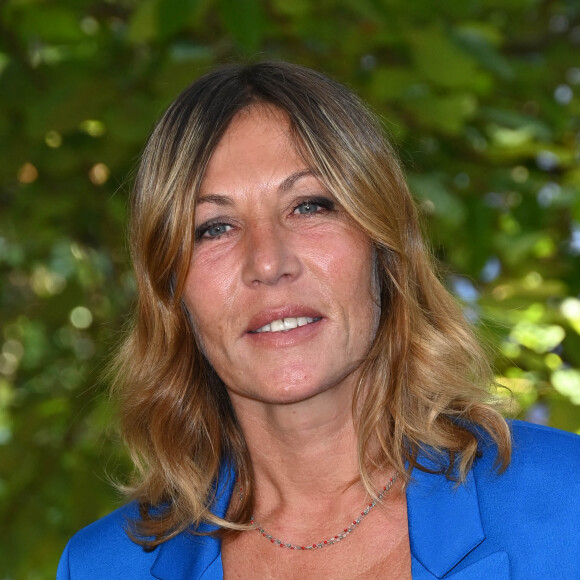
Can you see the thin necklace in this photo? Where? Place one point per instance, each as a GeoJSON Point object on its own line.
{"type": "Point", "coordinates": [334, 539]}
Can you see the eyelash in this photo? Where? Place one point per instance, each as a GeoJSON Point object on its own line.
{"type": "Point", "coordinates": [323, 203]}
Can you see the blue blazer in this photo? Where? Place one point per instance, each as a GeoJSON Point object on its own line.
{"type": "Point", "coordinates": [523, 524]}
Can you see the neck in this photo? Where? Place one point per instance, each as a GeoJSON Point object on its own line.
{"type": "Point", "coordinates": [301, 452]}
{"type": "Point", "coordinates": [305, 461]}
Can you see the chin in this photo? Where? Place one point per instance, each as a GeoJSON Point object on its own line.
{"type": "Point", "coordinates": [294, 392]}
{"type": "Point", "coordinates": [287, 395]}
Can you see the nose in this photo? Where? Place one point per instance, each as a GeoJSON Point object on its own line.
{"type": "Point", "coordinates": [269, 256]}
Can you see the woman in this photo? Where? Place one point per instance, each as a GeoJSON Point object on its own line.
{"type": "Point", "coordinates": [296, 368]}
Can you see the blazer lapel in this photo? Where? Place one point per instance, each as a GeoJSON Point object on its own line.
{"type": "Point", "coordinates": [187, 557]}
{"type": "Point", "coordinates": [192, 557]}
{"type": "Point", "coordinates": [445, 526]}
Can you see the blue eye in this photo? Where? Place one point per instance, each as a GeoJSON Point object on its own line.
{"type": "Point", "coordinates": [212, 231]}
{"type": "Point", "coordinates": [308, 207]}
{"type": "Point", "coordinates": [217, 230]}
{"type": "Point", "coordinates": [314, 206]}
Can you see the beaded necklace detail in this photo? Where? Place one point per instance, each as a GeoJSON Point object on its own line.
{"type": "Point", "coordinates": [334, 539]}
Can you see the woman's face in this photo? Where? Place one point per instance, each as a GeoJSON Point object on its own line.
{"type": "Point", "coordinates": [280, 286]}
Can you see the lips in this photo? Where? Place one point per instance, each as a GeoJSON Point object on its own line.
{"type": "Point", "coordinates": [285, 324]}
{"type": "Point", "coordinates": [282, 319]}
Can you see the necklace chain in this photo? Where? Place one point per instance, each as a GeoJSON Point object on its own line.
{"type": "Point", "coordinates": [334, 539]}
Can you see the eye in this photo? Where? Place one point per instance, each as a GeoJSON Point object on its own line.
{"type": "Point", "coordinates": [212, 231]}
{"type": "Point", "coordinates": [312, 206]}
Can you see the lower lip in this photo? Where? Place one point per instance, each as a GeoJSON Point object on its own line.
{"type": "Point", "coordinates": [286, 337]}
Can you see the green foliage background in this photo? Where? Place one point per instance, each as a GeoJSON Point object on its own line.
{"type": "Point", "coordinates": [480, 96]}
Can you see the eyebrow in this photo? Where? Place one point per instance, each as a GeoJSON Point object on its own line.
{"type": "Point", "coordinates": [287, 184]}
{"type": "Point", "coordinates": [214, 198]}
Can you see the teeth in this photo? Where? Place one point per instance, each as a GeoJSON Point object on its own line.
{"type": "Point", "coordinates": [284, 324]}
{"type": "Point", "coordinates": [277, 326]}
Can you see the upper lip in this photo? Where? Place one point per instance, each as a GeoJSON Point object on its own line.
{"type": "Point", "coordinates": [268, 315]}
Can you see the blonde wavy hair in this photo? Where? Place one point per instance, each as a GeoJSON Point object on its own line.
{"type": "Point", "coordinates": [423, 386]}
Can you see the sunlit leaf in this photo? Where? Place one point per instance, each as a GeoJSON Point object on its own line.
{"type": "Point", "coordinates": [538, 337]}
{"type": "Point", "coordinates": [567, 382]}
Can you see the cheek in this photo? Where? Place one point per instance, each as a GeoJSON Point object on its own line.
{"type": "Point", "coordinates": [206, 297]}
{"type": "Point", "coordinates": [348, 268]}
{"type": "Point", "coordinates": [208, 286]}
{"type": "Point", "coordinates": [351, 267]}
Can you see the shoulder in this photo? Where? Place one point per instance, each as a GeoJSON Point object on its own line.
{"type": "Point", "coordinates": [541, 439]}
{"type": "Point", "coordinates": [537, 451]}
{"type": "Point", "coordinates": [521, 523]}
{"type": "Point", "coordinates": [104, 550]}
{"type": "Point", "coordinates": [526, 516]}
{"type": "Point", "coordinates": [537, 495]}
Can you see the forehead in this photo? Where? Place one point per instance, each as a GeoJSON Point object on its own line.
{"type": "Point", "coordinates": [258, 147]}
